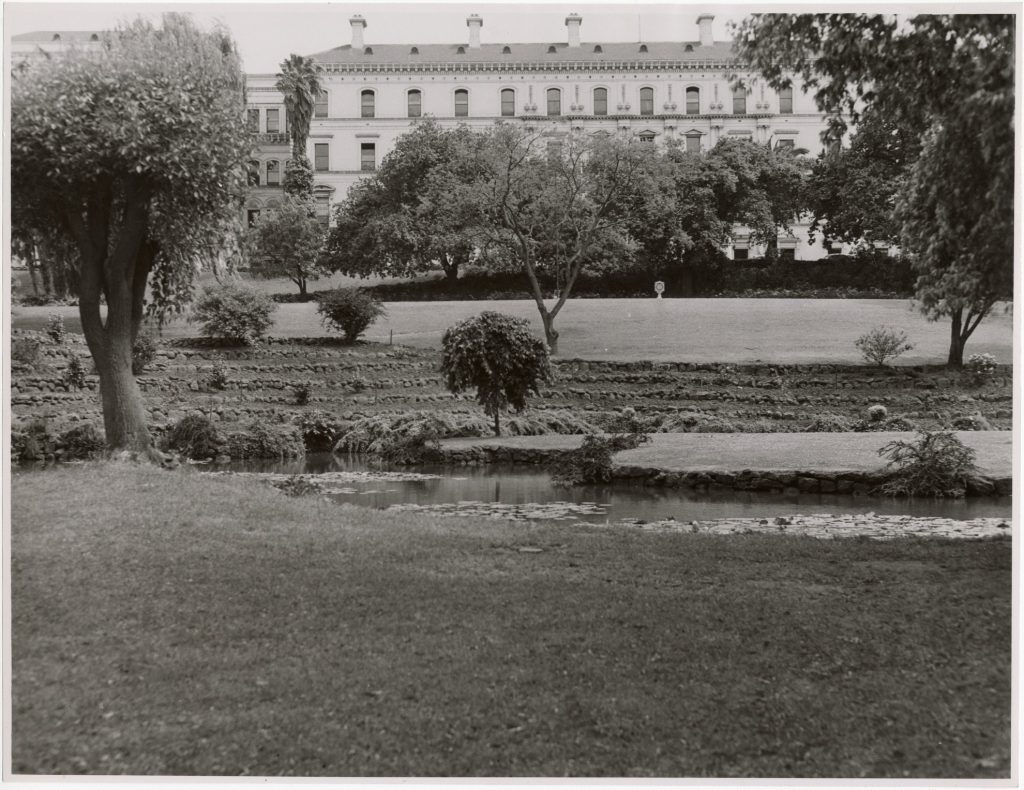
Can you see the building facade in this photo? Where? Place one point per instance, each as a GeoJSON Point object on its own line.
{"type": "Point", "coordinates": [657, 91]}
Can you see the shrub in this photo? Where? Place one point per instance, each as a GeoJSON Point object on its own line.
{"type": "Point", "coordinates": [237, 314]}
{"type": "Point", "coordinates": [143, 352]}
{"type": "Point", "coordinates": [319, 430]}
{"type": "Point", "coordinates": [829, 423]}
{"type": "Point", "coordinates": [349, 311]}
{"type": "Point", "coordinates": [265, 441]}
{"type": "Point", "coordinates": [591, 462]}
{"type": "Point", "coordinates": [26, 351]}
{"type": "Point", "coordinates": [33, 442]}
{"type": "Point", "coordinates": [499, 356]}
{"type": "Point", "coordinates": [971, 422]}
{"type": "Point", "coordinates": [882, 344]}
{"type": "Point", "coordinates": [898, 423]}
{"type": "Point", "coordinates": [877, 413]}
{"type": "Point", "coordinates": [980, 368]}
{"type": "Point", "coordinates": [936, 464]}
{"type": "Point", "coordinates": [80, 442]}
{"type": "Point", "coordinates": [74, 373]}
{"type": "Point", "coordinates": [55, 329]}
{"type": "Point", "coordinates": [358, 384]}
{"type": "Point", "coordinates": [301, 394]}
{"type": "Point", "coordinates": [215, 379]}
{"type": "Point", "coordinates": [194, 436]}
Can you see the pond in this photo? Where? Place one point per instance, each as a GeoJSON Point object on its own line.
{"type": "Point", "coordinates": [526, 492]}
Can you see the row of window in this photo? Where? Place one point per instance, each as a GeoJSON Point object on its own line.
{"type": "Point", "coordinates": [414, 102]}
{"type": "Point", "coordinates": [274, 120]}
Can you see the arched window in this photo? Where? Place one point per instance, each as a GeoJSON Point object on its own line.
{"type": "Point", "coordinates": [414, 51]}
{"type": "Point", "coordinates": [462, 103]}
{"type": "Point", "coordinates": [254, 173]}
{"type": "Point", "coordinates": [506, 50]}
{"type": "Point", "coordinates": [368, 51]}
{"type": "Point", "coordinates": [600, 101]}
{"type": "Point", "coordinates": [415, 103]}
{"type": "Point", "coordinates": [786, 101]}
{"type": "Point", "coordinates": [273, 173]}
{"type": "Point", "coordinates": [56, 36]}
{"type": "Point", "coordinates": [367, 104]}
{"type": "Point", "coordinates": [597, 48]}
{"type": "Point", "coordinates": [320, 107]}
{"type": "Point", "coordinates": [688, 48]}
{"type": "Point", "coordinates": [94, 37]}
{"type": "Point", "coordinates": [460, 51]}
{"type": "Point", "coordinates": [692, 101]}
{"type": "Point", "coordinates": [508, 102]}
{"type": "Point", "coordinates": [739, 101]}
{"type": "Point", "coordinates": [552, 50]}
{"type": "Point", "coordinates": [647, 101]}
{"type": "Point", "coordinates": [643, 47]}
{"type": "Point", "coordinates": [554, 101]}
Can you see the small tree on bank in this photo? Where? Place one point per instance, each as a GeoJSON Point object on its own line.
{"type": "Point", "coordinates": [135, 152]}
{"type": "Point", "coordinates": [286, 242]}
{"type": "Point", "coordinates": [499, 356]}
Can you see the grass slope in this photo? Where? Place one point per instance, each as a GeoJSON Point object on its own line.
{"type": "Point", "coordinates": [686, 330]}
{"type": "Point", "coordinates": [169, 623]}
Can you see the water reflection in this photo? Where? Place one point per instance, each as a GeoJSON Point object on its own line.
{"type": "Point", "coordinates": [519, 485]}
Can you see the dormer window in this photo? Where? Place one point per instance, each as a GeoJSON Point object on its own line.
{"type": "Point", "coordinates": [460, 51]}
{"type": "Point", "coordinates": [506, 50]}
{"type": "Point", "coordinates": [368, 51]}
{"type": "Point", "coordinates": [56, 36]}
{"type": "Point", "coordinates": [688, 48]}
{"type": "Point", "coordinates": [552, 50]}
{"type": "Point", "coordinates": [94, 37]}
{"type": "Point", "coordinates": [414, 51]}
{"type": "Point", "coordinates": [597, 48]}
{"type": "Point", "coordinates": [643, 47]}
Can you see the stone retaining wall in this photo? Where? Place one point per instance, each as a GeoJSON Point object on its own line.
{"type": "Point", "coordinates": [777, 482]}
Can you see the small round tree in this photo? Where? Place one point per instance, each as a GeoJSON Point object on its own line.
{"type": "Point", "coordinates": [499, 356]}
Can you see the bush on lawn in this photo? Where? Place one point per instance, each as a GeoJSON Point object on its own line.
{"type": "Point", "coordinates": [55, 329]}
{"type": "Point", "coordinates": [349, 311]}
{"type": "Point", "coordinates": [74, 373]}
{"type": "Point", "coordinates": [971, 422]}
{"type": "Point", "coordinates": [980, 368]}
{"type": "Point", "coordinates": [32, 442]}
{"type": "Point", "coordinates": [877, 413]}
{"type": "Point", "coordinates": [193, 436]}
{"type": "Point", "coordinates": [591, 462]}
{"type": "Point", "coordinates": [935, 464]}
{"type": "Point", "coordinates": [80, 442]}
{"type": "Point", "coordinates": [234, 313]}
{"type": "Point", "coordinates": [265, 441]}
{"type": "Point", "coordinates": [882, 343]}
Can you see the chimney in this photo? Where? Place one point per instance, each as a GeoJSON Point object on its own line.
{"type": "Point", "coordinates": [707, 38]}
{"type": "Point", "coordinates": [358, 23]}
{"type": "Point", "coordinates": [474, 23]}
{"type": "Point", "coordinates": [573, 22]}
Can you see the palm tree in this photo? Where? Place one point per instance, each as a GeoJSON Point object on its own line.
{"type": "Point", "coordinates": [299, 81]}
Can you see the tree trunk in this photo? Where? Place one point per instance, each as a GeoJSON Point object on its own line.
{"type": "Point", "coordinates": [302, 286]}
{"type": "Point", "coordinates": [124, 418]}
{"type": "Point", "coordinates": [957, 341]}
{"type": "Point", "coordinates": [33, 270]}
{"type": "Point", "coordinates": [497, 422]}
{"type": "Point", "coordinates": [46, 271]}
{"type": "Point", "coordinates": [451, 271]}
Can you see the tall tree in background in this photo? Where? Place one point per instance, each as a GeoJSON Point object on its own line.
{"type": "Point", "coordinates": [947, 80]}
{"type": "Point", "coordinates": [135, 153]}
{"type": "Point", "coordinates": [299, 82]}
{"type": "Point", "coordinates": [398, 221]}
{"type": "Point", "coordinates": [852, 190]}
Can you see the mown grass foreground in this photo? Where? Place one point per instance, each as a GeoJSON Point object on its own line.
{"type": "Point", "coordinates": [167, 623]}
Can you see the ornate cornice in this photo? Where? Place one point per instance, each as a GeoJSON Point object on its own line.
{"type": "Point", "coordinates": [534, 66]}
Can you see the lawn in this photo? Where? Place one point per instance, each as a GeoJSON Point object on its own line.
{"type": "Point", "coordinates": [169, 623]}
{"type": "Point", "coordinates": [688, 330]}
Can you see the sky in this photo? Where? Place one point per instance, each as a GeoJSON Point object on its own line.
{"type": "Point", "coordinates": [267, 32]}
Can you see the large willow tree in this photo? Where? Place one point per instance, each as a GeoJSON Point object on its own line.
{"type": "Point", "coordinates": [135, 153]}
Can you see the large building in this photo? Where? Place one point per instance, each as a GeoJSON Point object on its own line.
{"type": "Point", "coordinates": [657, 90]}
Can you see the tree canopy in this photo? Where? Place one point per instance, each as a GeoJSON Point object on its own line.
{"type": "Point", "coordinates": [286, 242]}
{"type": "Point", "coordinates": [946, 80]}
{"type": "Point", "coordinates": [133, 151]}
